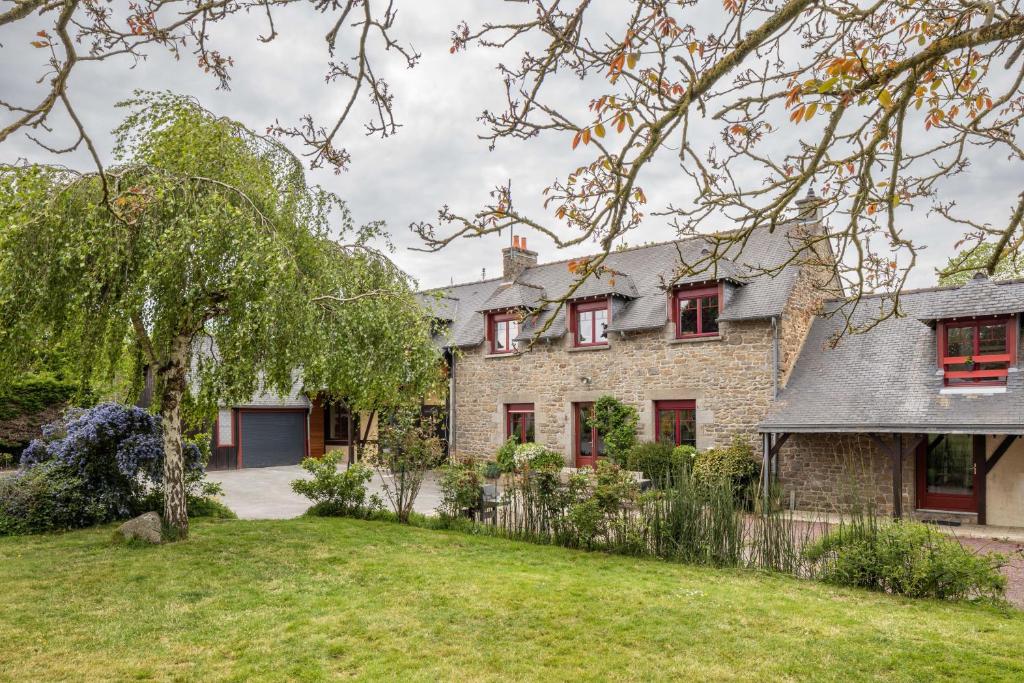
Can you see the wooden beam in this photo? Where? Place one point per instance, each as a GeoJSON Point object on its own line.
{"type": "Point", "coordinates": [783, 438]}
{"type": "Point", "coordinates": [933, 444]}
{"type": "Point", "coordinates": [999, 451]}
{"type": "Point", "coordinates": [917, 443]}
{"type": "Point", "coordinates": [886, 448]}
{"type": "Point", "coordinates": [981, 475]}
{"type": "Point", "coordinates": [897, 477]}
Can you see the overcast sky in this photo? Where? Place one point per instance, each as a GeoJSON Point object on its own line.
{"type": "Point", "coordinates": [436, 158]}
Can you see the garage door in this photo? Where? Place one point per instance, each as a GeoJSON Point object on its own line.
{"type": "Point", "coordinates": [270, 438]}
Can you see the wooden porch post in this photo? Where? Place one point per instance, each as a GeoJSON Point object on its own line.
{"type": "Point", "coordinates": [981, 474]}
{"type": "Point", "coordinates": [897, 478]}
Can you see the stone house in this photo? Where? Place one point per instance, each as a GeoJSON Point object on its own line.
{"type": "Point", "coordinates": [700, 356]}
{"type": "Point", "coordinates": [919, 415]}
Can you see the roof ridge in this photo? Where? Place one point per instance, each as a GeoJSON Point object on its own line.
{"type": "Point", "coordinates": [617, 251]}
{"type": "Point", "coordinates": [923, 290]}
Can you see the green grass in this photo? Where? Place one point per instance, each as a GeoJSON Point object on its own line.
{"type": "Point", "coordinates": [316, 599]}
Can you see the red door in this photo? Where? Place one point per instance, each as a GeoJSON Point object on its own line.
{"type": "Point", "coordinates": [588, 444]}
{"type": "Point", "coordinates": [947, 476]}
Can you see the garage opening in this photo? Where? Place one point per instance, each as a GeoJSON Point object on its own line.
{"type": "Point", "coordinates": [271, 438]}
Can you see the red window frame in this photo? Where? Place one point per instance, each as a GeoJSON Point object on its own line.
{"type": "Point", "coordinates": [519, 412]}
{"type": "Point", "coordinates": [977, 378]}
{"type": "Point", "coordinates": [579, 432]}
{"type": "Point", "coordinates": [677, 408]}
{"type": "Point", "coordinates": [689, 294]}
{"type": "Point", "coordinates": [492, 328]}
{"type": "Point", "coordinates": [579, 307]}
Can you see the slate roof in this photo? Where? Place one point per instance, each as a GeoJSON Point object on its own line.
{"type": "Point", "coordinates": [979, 297]}
{"type": "Point", "coordinates": [513, 295]}
{"type": "Point", "coordinates": [639, 287]}
{"type": "Point", "coordinates": [887, 379]}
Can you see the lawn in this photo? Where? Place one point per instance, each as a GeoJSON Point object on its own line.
{"type": "Point", "coordinates": [332, 598]}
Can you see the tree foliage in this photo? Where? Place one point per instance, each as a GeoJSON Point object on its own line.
{"type": "Point", "coordinates": [963, 267]}
{"type": "Point", "coordinates": [217, 266]}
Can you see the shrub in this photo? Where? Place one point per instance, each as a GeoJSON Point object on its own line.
{"type": "Point", "coordinates": [534, 456]}
{"type": "Point", "coordinates": [616, 423]}
{"type": "Point", "coordinates": [116, 451]}
{"type": "Point", "coordinates": [905, 558]}
{"type": "Point", "coordinates": [409, 446]}
{"type": "Point", "coordinates": [94, 466]}
{"type": "Point", "coordinates": [490, 470]}
{"type": "Point", "coordinates": [460, 488]}
{"type": "Point", "coordinates": [660, 463]}
{"type": "Point", "coordinates": [33, 393]}
{"type": "Point", "coordinates": [735, 463]}
{"type": "Point", "coordinates": [506, 456]}
{"type": "Point", "coordinates": [334, 492]}
{"type": "Point", "coordinates": [47, 497]}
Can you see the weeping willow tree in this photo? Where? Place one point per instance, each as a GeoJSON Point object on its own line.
{"type": "Point", "coordinates": [203, 255]}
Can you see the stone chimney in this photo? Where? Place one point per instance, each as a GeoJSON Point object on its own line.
{"type": "Point", "coordinates": [516, 259]}
{"type": "Point", "coordinates": [809, 208]}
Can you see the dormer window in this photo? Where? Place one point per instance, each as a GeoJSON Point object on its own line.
{"type": "Point", "coordinates": [695, 312]}
{"type": "Point", "coordinates": [977, 352]}
{"type": "Point", "coordinates": [589, 322]}
{"type": "Point", "coordinates": [503, 328]}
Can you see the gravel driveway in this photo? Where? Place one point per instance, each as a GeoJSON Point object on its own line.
{"type": "Point", "coordinates": [266, 492]}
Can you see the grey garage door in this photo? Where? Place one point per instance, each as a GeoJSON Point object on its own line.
{"type": "Point", "coordinates": [270, 438]}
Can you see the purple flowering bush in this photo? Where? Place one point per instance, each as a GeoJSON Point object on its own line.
{"type": "Point", "coordinates": [91, 467]}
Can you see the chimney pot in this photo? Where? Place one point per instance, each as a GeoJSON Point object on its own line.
{"type": "Point", "coordinates": [522, 242]}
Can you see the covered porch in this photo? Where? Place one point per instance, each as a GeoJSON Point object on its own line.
{"type": "Point", "coordinates": [953, 475]}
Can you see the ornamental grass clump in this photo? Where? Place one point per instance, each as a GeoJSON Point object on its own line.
{"type": "Point", "coordinates": [905, 558]}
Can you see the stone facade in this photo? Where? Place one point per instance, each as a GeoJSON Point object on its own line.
{"type": "Point", "coordinates": [729, 377]}
{"type": "Point", "coordinates": [833, 472]}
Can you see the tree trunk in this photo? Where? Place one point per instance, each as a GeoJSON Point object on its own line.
{"type": "Point", "coordinates": [175, 508]}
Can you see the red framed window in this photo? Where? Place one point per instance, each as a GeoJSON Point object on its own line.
{"type": "Point", "coordinates": [503, 329]}
{"type": "Point", "coordinates": [519, 423]}
{"type": "Point", "coordinates": [675, 422]}
{"type": "Point", "coordinates": [589, 445]}
{"type": "Point", "coordinates": [695, 312]}
{"type": "Point", "coordinates": [977, 352]}
{"type": "Point", "coordinates": [589, 323]}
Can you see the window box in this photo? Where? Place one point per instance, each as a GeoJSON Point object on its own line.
{"type": "Point", "coordinates": [695, 312]}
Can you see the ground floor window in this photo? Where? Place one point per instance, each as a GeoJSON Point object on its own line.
{"type": "Point", "coordinates": [675, 422]}
{"type": "Point", "coordinates": [519, 422]}
{"type": "Point", "coordinates": [588, 443]}
{"type": "Point", "coordinates": [339, 420]}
